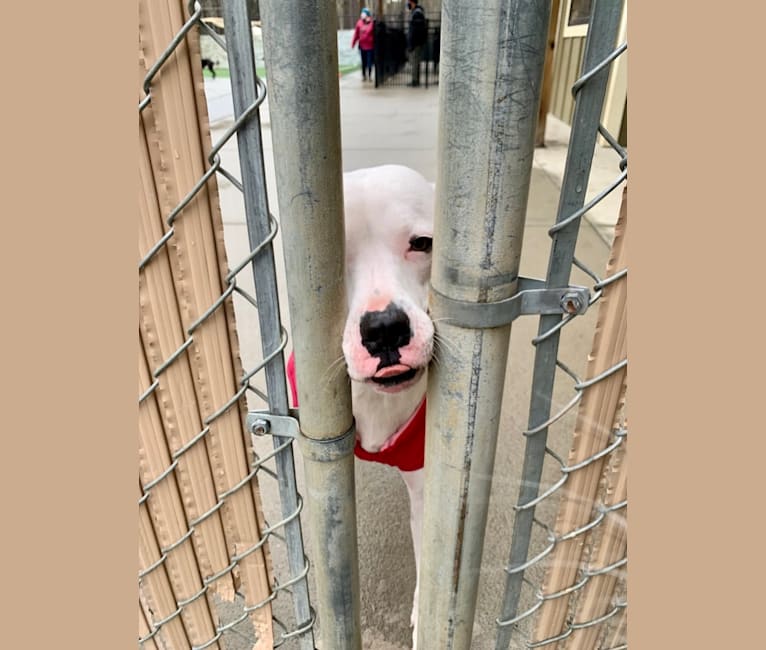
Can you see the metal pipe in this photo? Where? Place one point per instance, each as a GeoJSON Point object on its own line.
{"type": "Point", "coordinates": [489, 93]}
{"type": "Point", "coordinates": [300, 46]}
{"type": "Point", "coordinates": [239, 45]}
{"type": "Point", "coordinates": [602, 34]}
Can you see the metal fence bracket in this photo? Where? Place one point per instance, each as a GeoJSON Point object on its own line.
{"type": "Point", "coordinates": [532, 298]}
{"type": "Point", "coordinates": [323, 450]}
{"type": "Point", "coordinates": [260, 423]}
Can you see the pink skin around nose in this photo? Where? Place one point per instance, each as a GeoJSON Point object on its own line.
{"type": "Point", "coordinates": [362, 365]}
{"type": "Point", "coordinates": [378, 303]}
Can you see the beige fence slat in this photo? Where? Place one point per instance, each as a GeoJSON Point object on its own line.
{"type": "Point", "coordinates": [168, 522]}
{"type": "Point", "coordinates": [143, 630]}
{"type": "Point", "coordinates": [593, 428]}
{"type": "Point", "coordinates": [596, 599]}
{"type": "Point", "coordinates": [162, 335]}
{"type": "Point", "coordinates": [155, 593]}
{"type": "Point", "coordinates": [172, 125]}
{"type": "Point", "coordinates": [618, 637]}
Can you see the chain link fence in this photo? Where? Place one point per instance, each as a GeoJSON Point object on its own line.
{"type": "Point", "coordinates": [567, 568]}
{"type": "Point", "coordinates": [221, 552]}
{"type": "Point", "coordinates": [217, 569]}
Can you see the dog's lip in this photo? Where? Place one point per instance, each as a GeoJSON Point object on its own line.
{"type": "Point", "coordinates": [392, 371]}
{"type": "Point", "coordinates": [395, 380]}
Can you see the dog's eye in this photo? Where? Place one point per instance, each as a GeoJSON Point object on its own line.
{"type": "Point", "coordinates": [421, 244]}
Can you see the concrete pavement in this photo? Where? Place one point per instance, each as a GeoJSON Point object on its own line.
{"type": "Point", "coordinates": [399, 125]}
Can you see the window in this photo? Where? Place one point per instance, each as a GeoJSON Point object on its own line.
{"type": "Point", "coordinates": [577, 18]}
{"type": "Point", "coordinates": [579, 12]}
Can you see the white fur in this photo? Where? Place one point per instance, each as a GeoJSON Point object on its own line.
{"type": "Point", "coordinates": [384, 208]}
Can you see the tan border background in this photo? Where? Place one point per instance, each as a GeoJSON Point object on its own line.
{"type": "Point", "coordinates": [69, 322]}
{"type": "Point", "coordinates": [696, 348]}
{"type": "Point", "coordinates": [696, 372]}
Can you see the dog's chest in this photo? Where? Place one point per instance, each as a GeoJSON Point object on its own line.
{"type": "Point", "coordinates": [378, 416]}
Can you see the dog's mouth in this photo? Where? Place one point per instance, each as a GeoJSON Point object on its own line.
{"type": "Point", "coordinates": [396, 376]}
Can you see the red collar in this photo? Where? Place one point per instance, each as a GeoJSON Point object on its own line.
{"type": "Point", "coordinates": [405, 449]}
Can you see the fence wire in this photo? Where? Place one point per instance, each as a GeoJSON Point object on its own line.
{"type": "Point", "coordinates": [293, 619]}
{"type": "Point", "coordinates": [534, 540]}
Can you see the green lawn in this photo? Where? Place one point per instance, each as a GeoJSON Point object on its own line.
{"type": "Point", "coordinates": [261, 72]}
{"type": "Point", "coordinates": [345, 69]}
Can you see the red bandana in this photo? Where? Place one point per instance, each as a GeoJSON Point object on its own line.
{"type": "Point", "coordinates": [405, 449]}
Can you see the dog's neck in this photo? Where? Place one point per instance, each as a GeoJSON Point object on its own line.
{"type": "Point", "coordinates": [379, 415]}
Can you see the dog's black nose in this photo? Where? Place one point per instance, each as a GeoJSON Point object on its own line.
{"type": "Point", "coordinates": [384, 332]}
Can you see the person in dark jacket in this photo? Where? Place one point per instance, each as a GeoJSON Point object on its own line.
{"type": "Point", "coordinates": [416, 39]}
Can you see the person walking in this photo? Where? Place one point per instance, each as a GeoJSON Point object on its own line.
{"type": "Point", "coordinates": [363, 34]}
{"type": "Point", "coordinates": [417, 34]}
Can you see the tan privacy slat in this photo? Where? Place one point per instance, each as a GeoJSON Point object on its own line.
{"type": "Point", "coordinates": [178, 161]}
{"type": "Point", "coordinates": [155, 593]}
{"type": "Point", "coordinates": [592, 433]}
{"type": "Point", "coordinates": [596, 599]}
{"type": "Point", "coordinates": [143, 630]}
{"type": "Point", "coordinates": [618, 635]}
{"type": "Point", "coordinates": [162, 334]}
{"type": "Point", "coordinates": [227, 317]}
{"type": "Point", "coordinates": [168, 522]}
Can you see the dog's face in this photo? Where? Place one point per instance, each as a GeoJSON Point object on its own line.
{"type": "Point", "coordinates": [388, 336]}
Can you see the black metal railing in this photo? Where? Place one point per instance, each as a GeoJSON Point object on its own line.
{"type": "Point", "coordinates": [393, 61]}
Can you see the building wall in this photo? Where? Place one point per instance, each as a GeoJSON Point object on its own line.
{"type": "Point", "coordinates": [214, 8]}
{"type": "Point", "coordinates": [567, 64]}
{"type": "Point", "coordinates": [567, 68]}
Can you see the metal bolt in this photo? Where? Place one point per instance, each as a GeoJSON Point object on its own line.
{"type": "Point", "coordinates": [260, 427]}
{"type": "Point", "coordinates": [571, 303]}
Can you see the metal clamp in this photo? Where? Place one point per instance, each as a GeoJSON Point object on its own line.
{"type": "Point", "coordinates": [261, 423]}
{"type": "Point", "coordinates": [532, 298]}
{"type": "Point", "coordinates": [324, 450]}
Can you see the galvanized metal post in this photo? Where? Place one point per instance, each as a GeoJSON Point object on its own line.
{"type": "Point", "coordinates": [491, 65]}
{"type": "Point", "coordinates": [239, 45]}
{"type": "Point", "coordinates": [602, 33]}
{"type": "Point", "coordinates": [300, 45]}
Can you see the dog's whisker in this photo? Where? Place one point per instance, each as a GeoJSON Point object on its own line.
{"type": "Point", "coordinates": [327, 381]}
{"type": "Point", "coordinates": [444, 319]}
{"type": "Point", "coordinates": [334, 369]}
{"type": "Point", "coordinates": [438, 353]}
{"type": "Point", "coordinates": [341, 359]}
{"type": "Point", "coordinates": [443, 343]}
{"type": "Point", "coordinates": [438, 360]}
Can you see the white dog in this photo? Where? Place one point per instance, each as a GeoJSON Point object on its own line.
{"type": "Point", "coordinates": [388, 337]}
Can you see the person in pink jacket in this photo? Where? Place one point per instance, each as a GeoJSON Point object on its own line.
{"type": "Point", "coordinates": [363, 34]}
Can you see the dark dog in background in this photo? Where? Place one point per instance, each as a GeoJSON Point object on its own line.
{"type": "Point", "coordinates": [210, 65]}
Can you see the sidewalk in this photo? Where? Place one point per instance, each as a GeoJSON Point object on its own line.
{"type": "Point", "coordinates": [399, 125]}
